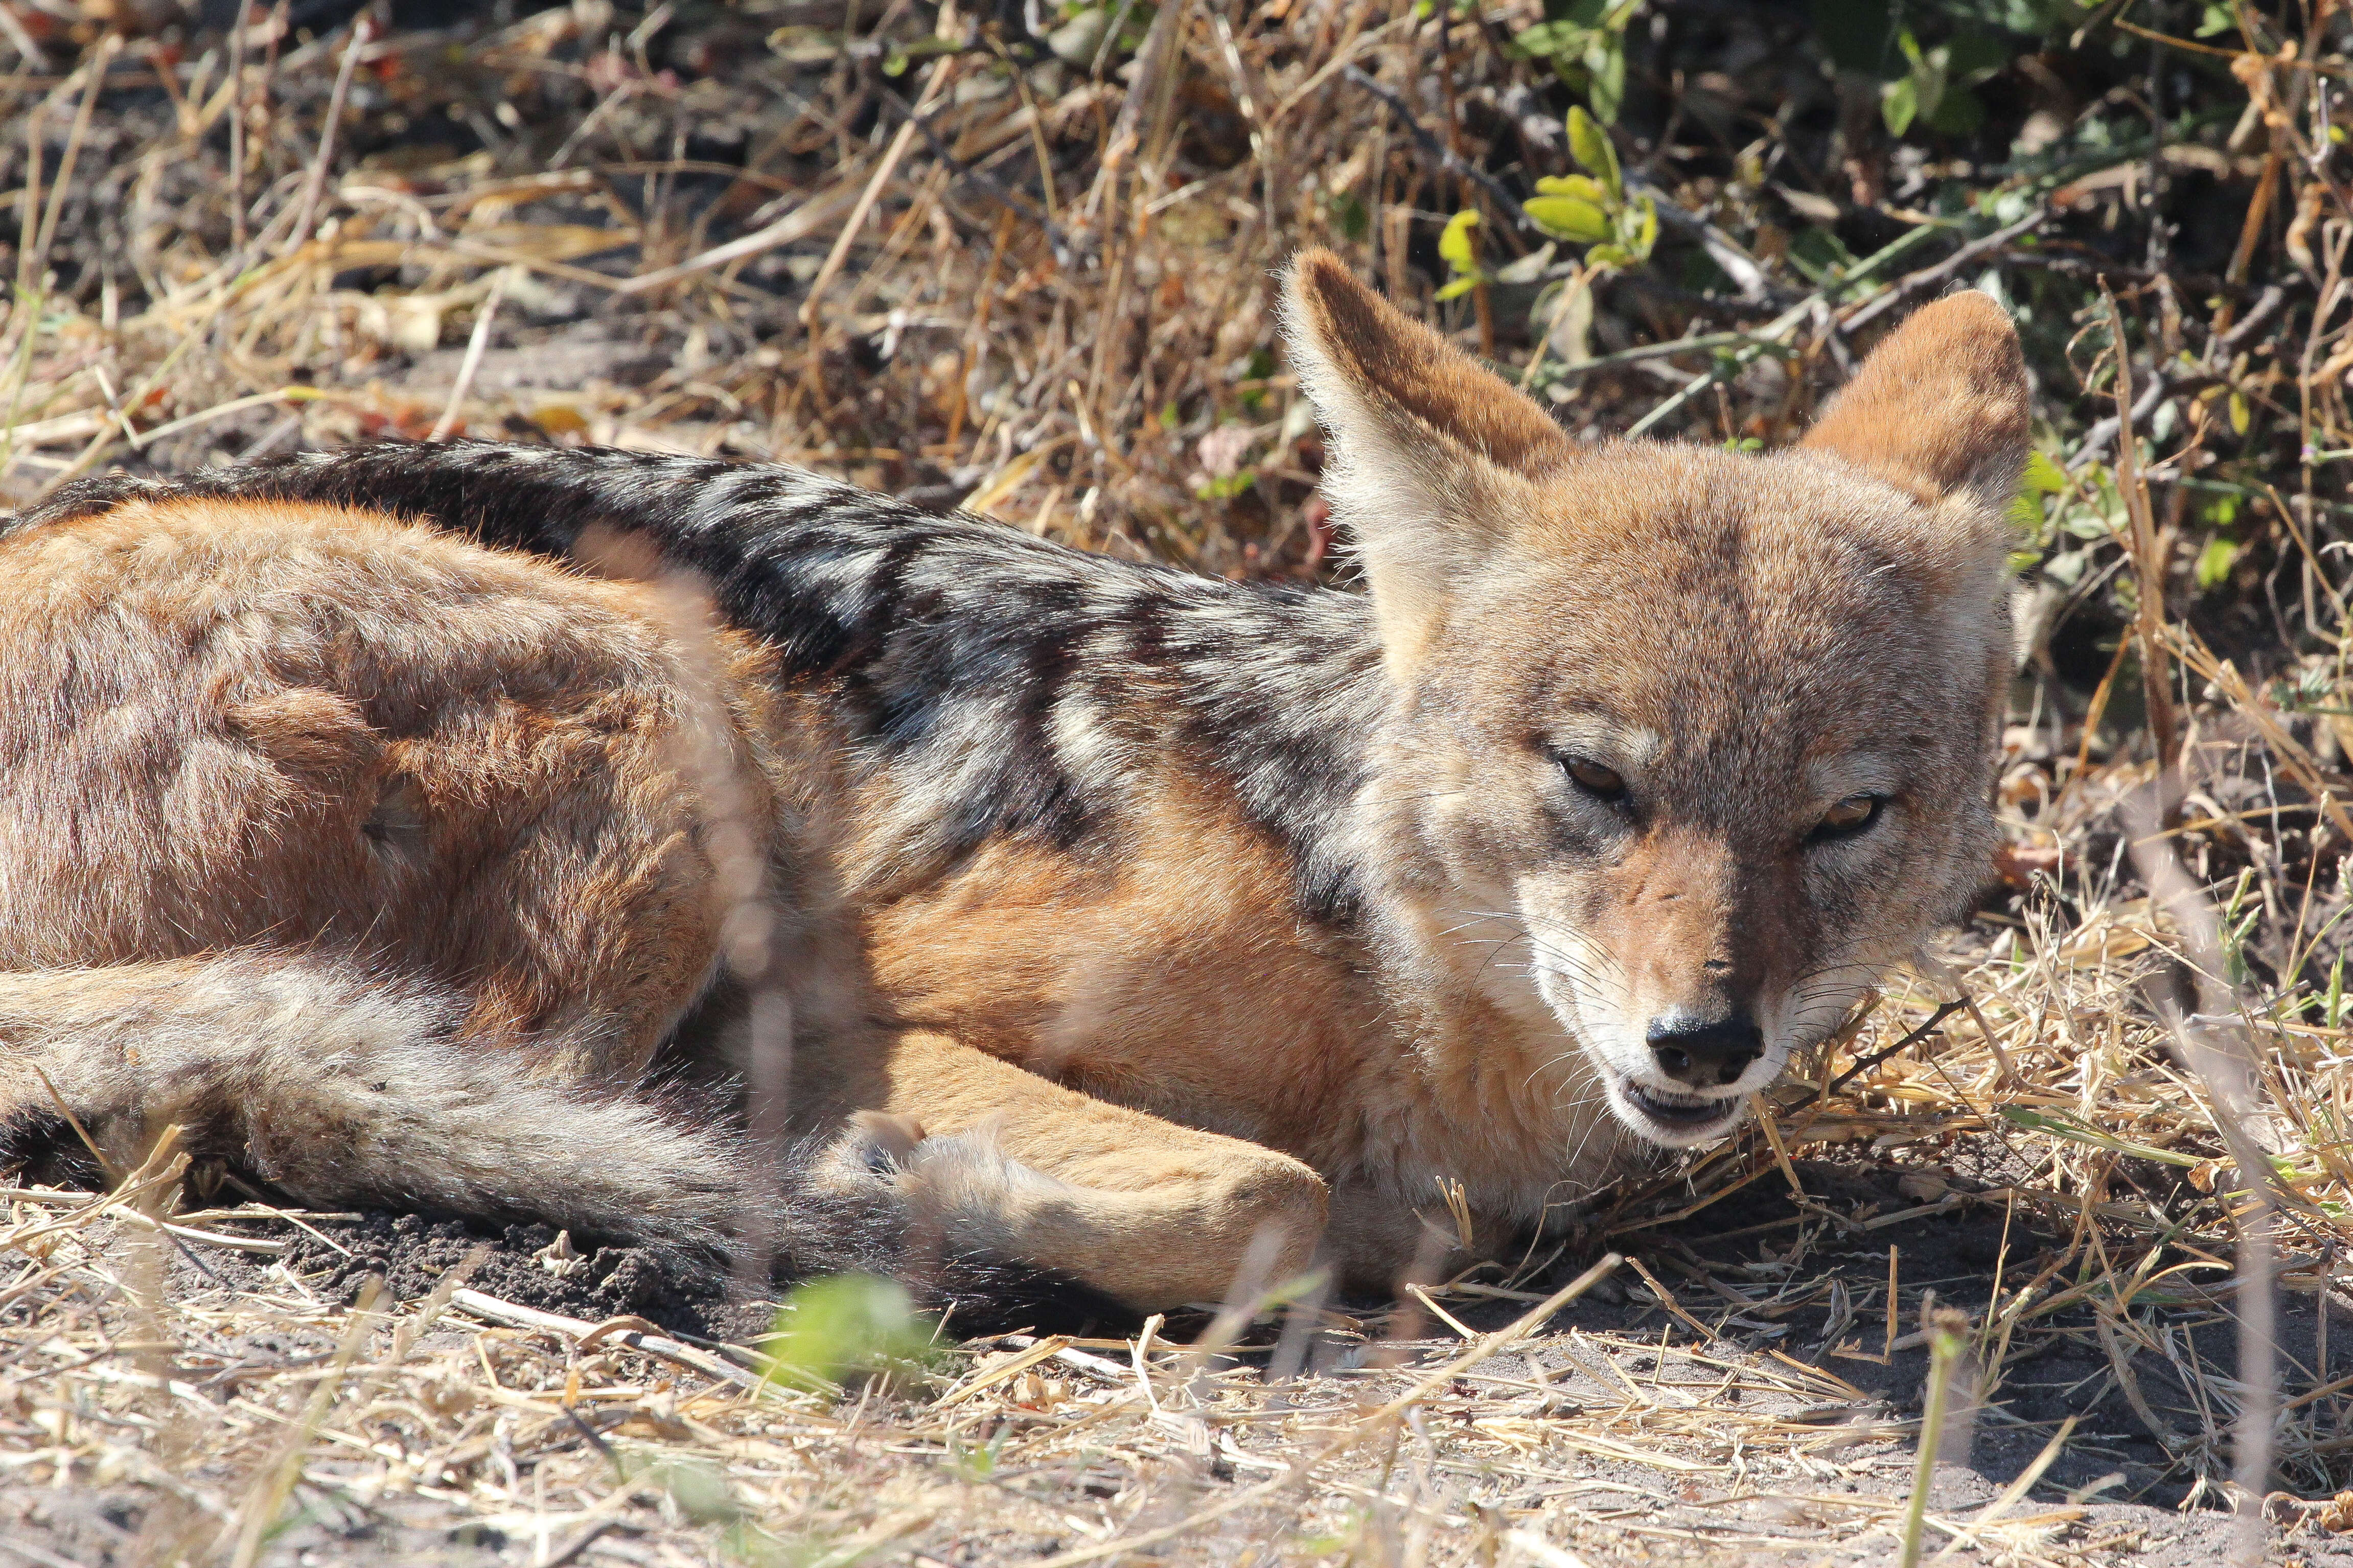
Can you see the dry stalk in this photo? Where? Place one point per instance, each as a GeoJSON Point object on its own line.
{"type": "Point", "coordinates": [315, 184]}
{"type": "Point", "coordinates": [943, 73]}
{"type": "Point", "coordinates": [2148, 559]}
{"type": "Point", "coordinates": [266, 1496]}
{"type": "Point", "coordinates": [475, 343]}
{"type": "Point", "coordinates": [95, 69]}
{"type": "Point", "coordinates": [2219, 1045]}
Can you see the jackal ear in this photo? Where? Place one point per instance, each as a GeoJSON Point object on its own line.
{"type": "Point", "coordinates": [1433, 456]}
{"type": "Point", "coordinates": [1941, 408]}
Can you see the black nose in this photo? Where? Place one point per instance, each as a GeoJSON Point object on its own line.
{"type": "Point", "coordinates": [1706, 1055]}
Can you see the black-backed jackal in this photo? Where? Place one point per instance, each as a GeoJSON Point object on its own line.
{"type": "Point", "coordinates": [378, 817]}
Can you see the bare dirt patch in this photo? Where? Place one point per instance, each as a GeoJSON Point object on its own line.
{"type": "Point", "coordinates": [1731, 1398]}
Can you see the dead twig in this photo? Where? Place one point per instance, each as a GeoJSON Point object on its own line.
{"type": "Point", "coordinates": [315, 184]}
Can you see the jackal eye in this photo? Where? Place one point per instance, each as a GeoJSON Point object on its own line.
{"type": "Point", "coordinates": [1848, 818]}
{"type": "Point", "coordinates": [1602, 784]}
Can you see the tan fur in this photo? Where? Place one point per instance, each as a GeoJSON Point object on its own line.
{"type": "Point", "coordinates": [293, 725]}
{"type": "Point", "coordinates": [275, 774]}
{"type": "Point", "coordinates": [1940, 408]}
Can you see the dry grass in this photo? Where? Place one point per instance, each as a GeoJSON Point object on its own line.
{"type": "Point", "coordinates": [1045, 292]}
{"type": "Point", "coordinates": [465, 1419]}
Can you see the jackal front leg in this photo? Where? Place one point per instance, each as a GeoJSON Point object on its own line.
{"type": "Point", "coordinates": [988, 1156]}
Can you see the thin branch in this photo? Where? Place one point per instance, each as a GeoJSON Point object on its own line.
{"type": "Point", "coordinates": [1864, 1064]}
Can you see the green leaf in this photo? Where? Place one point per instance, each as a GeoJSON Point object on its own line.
{"type": "Point", "coordinates": [1570, 217]}
{"type": "Point", "coordinates": [1819, 255]}
{"type": "Point", "coordinates": [1548, 40]}
{"type": "Point", "coordinates": [2042, 474]}
{"type": "Point", "coordinates": [1958, 112]}
{"type": "Point", "coordinates": [1898, 102]}
{"type": "Point", "coordinates": [1570, 72]}
{"type": "Point", "coordinates": [1605, 62]}
{"type": "Point", "coordinates": [1974, 54]}
{"type": "Point", "coordinates": [1454, 246]}
{"type": "Point", "coordinates": [1454, 290]}
{"type": "Point", "coordinates": [1591, 147]}
{"type": "Point", "coordinates": [1856, 34]}
{"type": "Point", "coordinates": [831, 1330]}
{"type": "Point", "coordinates": [2242, 414]}
{"type": "Point", "coordinates": [1349, 214]}
{"type": "Point", "coordinates": [2215, 561]}
{"type": "Point", "coordinates": [2074, 1132]}
{"type": "Point", "coordinates": [1582, 186]}
{"type": "Point", "coordinates": [1928, 86]}
{"type": "Point", "coordinates": [697, 1488]}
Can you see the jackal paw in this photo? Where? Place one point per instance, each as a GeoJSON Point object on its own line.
{"type": "Point", "coordinates": [960, 1190]}
{"type": "Point", "coordinates": [969, 1188]}
{"type": "Point", "coordinates": [880, 1142]}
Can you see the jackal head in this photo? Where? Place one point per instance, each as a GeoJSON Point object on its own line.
{"type": "Point", "coordinates": [1698, 742]}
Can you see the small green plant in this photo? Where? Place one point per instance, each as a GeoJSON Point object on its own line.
{"type": "Point", "coordinates": [696, 1487]}
{"type": "Point", "coordinates": [2215, 561]}
{"type": "Point", "coordinates": [2029, 509]}
{"type": "Point", "coordinates": [1947, 1333]}
{"type": "Point", "coordinates": [845, 1328]}
{"type": "Point", "coordinates": [977, 1461]}
{"type": "Point", "coordinates": [1593, 208]}
{"type": "Point", "coordinates": [1585, 43]}
{"type": "Point", "coordinates": [1223, 474]}
{"type": "Point", "coordinates": [2235, 927]}
{"type": "Point", "coordinates": [1349, 214]}
{"type": "Point", "coordinates": [1459, 251]}
{"type": "Point", "coordinates": [1935, 90]}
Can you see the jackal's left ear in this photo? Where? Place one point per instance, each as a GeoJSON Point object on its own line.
{"type": "Point", "coordinates": [1434, 458]}
{"type": "Point", "coordinates": [1941, 408]}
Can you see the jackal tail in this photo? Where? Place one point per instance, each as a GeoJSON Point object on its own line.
{"type": "Point", "coordinates": [342, 1089]}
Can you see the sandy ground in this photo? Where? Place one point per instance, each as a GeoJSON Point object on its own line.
{"type": "Point", "coordinates": [1810, 1363]}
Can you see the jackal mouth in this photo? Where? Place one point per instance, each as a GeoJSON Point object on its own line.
{"type": "Point", "coordinates": [1679, 1115]}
